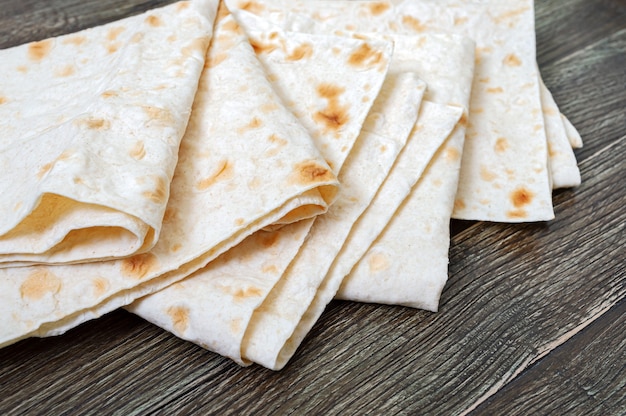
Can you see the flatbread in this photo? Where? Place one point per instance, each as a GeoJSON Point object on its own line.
{"type": "Point", "coordinates": [91, 123]}
{"type": "Point", "coordinates": [506, 118]}
{"type": "Point", "coordinates": [245, 162]}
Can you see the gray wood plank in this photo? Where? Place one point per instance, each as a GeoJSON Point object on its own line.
{"type": "Point", "coordinates": [586, 375]}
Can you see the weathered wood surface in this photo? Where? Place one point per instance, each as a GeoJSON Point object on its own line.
{"type": "Point", "coordinates": [532, 321]}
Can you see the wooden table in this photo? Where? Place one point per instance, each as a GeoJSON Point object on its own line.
{"type": "Point", "coordinates": [532, 320]}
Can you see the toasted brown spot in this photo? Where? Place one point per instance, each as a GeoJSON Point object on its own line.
{"type": "Point", "coordinates": [176, 247]}
{"type": "Point", "coordinates": [464, 120]}
{"type": "Point", "coordinates": [502, 144]}
{"type": "Point", "coordinates": [22, 68]}
{"type": "Point", "coordinates": [538, 127]}
{"type": "Point", "coordinates": [484, 80]}
{"type": "Point", "coordinates": [268, 239]}
{"type": "Point", "coordinates": [109, 94]}
{"type": "Point", "coordinates": [521, 197]}
{"type": "Point", "coordinates": [170, 214]}
{"type": "Point", "coordinates": [172, 38]}
{"type": "Point", "coordinates": [510, 14]}
{"type": "Point", "coordinates": [365, 55]}
{"type": "Point", "coordinates": [249, 292]}
{"type": "Point", "coordinates": [239, 222]}
{"type": "Point", "coordinates": [251, 6]}
{"type": "Point", "coordinates": [459, 204]}
{"type": "Point", "coordinates": [378, 262]}
{"type": "Point", "coordinates": [66, 71]}
{"type": "Point", "coordinates": [180, 318]}
{"type": "Point", "coordinates": [549, 112]}
{"type": "Point", "coordinates": [413, 23]}
{"type": "Point", "coordinates": [378, 8]}
{"type": "Point", "coordinates": [269, 107]}
{"type": "Point", "coordinates": [100, 286]}
{"type": "Point", "coordinates": [254, 183]}
{"type": "Point", "coordinates": [486, 174]}
{"type": "Point", "coordinates": [3, 100]}
{"type": "Point", "coordinates": [159, 114]}
{"type": "Point", "coordinates": [383, 148]}
{"type": "Point", "coordinates": [301, 52]}
{"type": "Point", "coordinates": [260, 47]}
{"type": "Point", "coordinates": [74, 40]}
{"type": "Point", "coordinates": [115, 32]}
{"type": "Point", "coordinates": [460, 21]}
{"type": "Point", "coordinates": [182, 6]}
{"type": "Point", "coordinates": [45, 169]}
{"type": "Point", "coordinates": [39, 50]}
{"type": "Point", "coordinates": [94, 123]}
{"type": "Point", "coordinates": [137, 37]}
{"type": "Point", "coordinates": [113, 47]}
{"type": "Point", "coordinates": [277, 140]}
{"type": "Point", "coordinates": [517, 214]}
{"type": "Point", "coordinates": [138, 151]}
{"type": "Point", "coordinates": [198, 45]}
{"type": "Point", "coordinates": [452, 154]}
{"type": "Point", "coordinates": [235, 326]}
{"type": "Point", "coordinates": [139, 266]}
{"type": "Point", "coordinates": [270, 269]}
{"type": "Point", "coordinates": [309, 172]}
{"type": "Point", "coordinates": [153, 21]}
{"type": "Point", "coordinates": [224, 171]}
{"type": "Point", "coordinates": [216, 59]}
{"type": "Point", "coordinates": [160, 193]}
{"type": "Point", "coordinates": [231, 25]}
{"type": "Point", "coordinates": [38, 284]}
{"type": "Point", "coordinates": [495, 90]}
{"type": "Point", "coordinates": [334, 116]}
{"type": "Point", "coordinates": [18, 206]}
{"type": "Point", "coordinates": [512, 60]}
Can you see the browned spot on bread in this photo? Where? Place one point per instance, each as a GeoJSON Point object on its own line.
{"type": "Point", "coordinates": [224, 171]}
{"type": "Point", "coordinates": [138, 150]}
{"type": "Point", "coordinates": [95, 123]}
{"type": "Point", "coordinates": [137, 37]}
{"type": "Point", "coordinates": [159, 114]}
{"type": "Point", "coordinates": [459, 204]}
{"type": "Point", "coordinates": [251, 6]}
{"type": "Point", "coordinates": [549, 112]}
{"type": "Point", "coordinates": [172, 38]}
{"type": "Point", "coordinates": [109, 94]}
{"type": "Point", "coordinates": [100, 286]}
{"type": "Point", "coordinates": [512, 60]}
{"type": "Point", "coordinates": [383, 148]}
{"type": "Point", "coordinates": [66, 71]}
{"type": "Point", "coordinates": [216, 59]}
{"type": "Point", "coordinates": [45, 169]}
{"type": "Point", "coordinates": [301, 52]}
{"type": "Point", "coordinates": [260, 47]}
{"type": "Point", "coordinates": [365, 55]}
{"type": "Point", "coordinates": [509, 15]}
{"type": "Point", "coordinates": [378, 8]}
{"type": "Point", "coordinates": [112, 47]}
{"type": "Point", "coordinates": [502, 144]}
{"type": "Point", "coordinates": [198, 45]}
{"type": "Point", "coordinates": [274, 138]}
{"type": "Point", "coordinates": [235, 326]}
{"type": "Point", "coordinates": [378, 262]}
{"type": "Point", "coordinates": [154, 21]}
{"type": "Point", "coordinates": [179, 316]}
{"type": "Point", "coordinates": [335, 115]}
{"type": "Point", "coordinates": [39, 50]}
{"type": "Point", "coordinates": [521, 197]}
{"type": "Point", "coordinates": [182, 6]}
{"type": "Point", "coordinates": [3, 100]}
{"type": "Point", "coordinates": [176, 247]}
{"type": "Point", "coordinates": [139, 266]}
{"type": "Point", "coordinates": [231, 25]}
{"type": "Point", "coordinates": [115, 32]}
{"type": "Point", "coordinates": [460, 21]}
{"type": "Point", "coordinates": [269, 107]}
{"type": "Point", "coordinates": [40, 283]}
{"type": "Point", "coordinates": [413, 23]}
{"type": "Point", "coordinates": [309, 172]}
{"type": "Point", "coordinates": [239, 222]}
{"type": "Point", "coordinates": [517, 214]}
{"type": "Point", "coordinates": [74, 40]}
{"type": "Point", "coordinates": [22, 68]}
{"type": "Point", "coordinates": [268, 239]}
{"type": "Point", "coordinates": [255, 123]}
{"type": "Point", "coordinates": [160, 193]}
{"type": "Point", "coordinates": [495, 90]}
{"type": "Point", "coordinates": [452, 154]}
{"type": "Point", "coordinates": [486, 174]}
{"type": "Point", "coordinates": [248, 292]}
{"type": "Point", "coordinates": [464, 120]}
{"type": "Point", "coordinates": [270, 269]}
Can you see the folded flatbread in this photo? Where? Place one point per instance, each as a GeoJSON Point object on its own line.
{"type": "Point", "coordinates": [506, 131]}
{"type": "Point", "coordinates": [344, 76]}
{"type": "Point", "coordinates": [245, 162]}
{"type": "Point", "coordinates": [90, 125]}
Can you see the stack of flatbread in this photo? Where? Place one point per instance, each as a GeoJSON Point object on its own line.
{"type": "Point", "coordinates": [228, 192]}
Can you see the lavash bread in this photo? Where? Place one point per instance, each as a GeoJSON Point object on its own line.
{"type": "Point", "coordinates": [245, 162]}
{"type": "Point", "coordinates": [506, 128]}
{"type": "Point", "coordinates": [90, 125]}
{"type": "Point", "coordinates": [220, 299]}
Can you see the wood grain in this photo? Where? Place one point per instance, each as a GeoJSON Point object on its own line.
{"type": "Point", "coordinates": [532, 320]}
